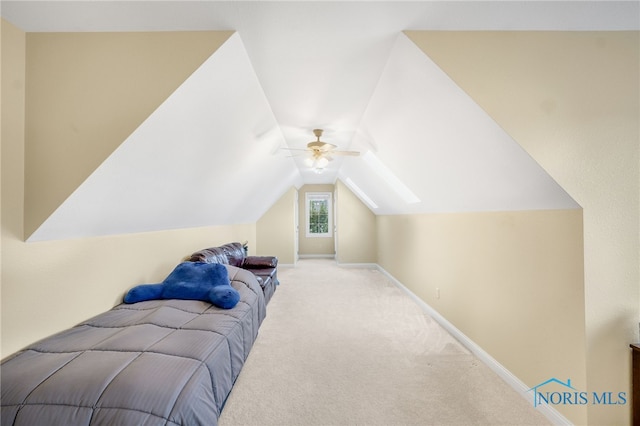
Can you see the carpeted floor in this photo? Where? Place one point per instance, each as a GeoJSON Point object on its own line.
{"type": "Point", "coordinates": [345, 346]}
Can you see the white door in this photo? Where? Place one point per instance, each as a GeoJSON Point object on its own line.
{"type": "Point", "coordinates": [297, 229]}
{"type": "Point", "coordinates": [335, 223]}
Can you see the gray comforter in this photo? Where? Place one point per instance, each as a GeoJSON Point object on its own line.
{"type": "Point", "coordinates": [170, 362]}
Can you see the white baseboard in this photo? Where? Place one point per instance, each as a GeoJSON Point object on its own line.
{"type": "Point", "coordinates": [316, 256]}
{"type": "Point", "coordinates": [549, 412]}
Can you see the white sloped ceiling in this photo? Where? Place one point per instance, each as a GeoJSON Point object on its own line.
{"type": "Point", "coordinates": [212, 153]}
{"type": "Point", "coordinates": [422, 132]}
{"type": "Point", "coordinates": [198, 160]}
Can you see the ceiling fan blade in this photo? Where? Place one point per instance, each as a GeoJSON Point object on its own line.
{"type": "Point", "coordinates": [295, 149]}
{"type": "Point", "coordinates": [320, 146]}
{"type": "Point", "coordinates": [327, 147]}
{"type": "Point", "coordinates": [346, 153]}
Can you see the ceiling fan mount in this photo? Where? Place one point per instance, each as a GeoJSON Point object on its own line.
{"type": "Point", "coordinates": [319, 147]}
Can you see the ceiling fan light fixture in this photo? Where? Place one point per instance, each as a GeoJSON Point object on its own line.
{"type": "Point", "coordinates": [322, 162]}
{"type": "Point", "coordinates": [318, 164]}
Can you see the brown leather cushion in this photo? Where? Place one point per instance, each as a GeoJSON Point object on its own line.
{"type": "Point", "coordinates": [263, 267]}
{"type": "Point", "coordinates": [229, 254]}
{"type": "Point", "coordinates": [209, 255]}
{"type": "Point", "coordinates": [260, 262]}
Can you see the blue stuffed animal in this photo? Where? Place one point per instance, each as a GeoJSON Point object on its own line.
{"type": "Point", "coordinates": [193, 281]}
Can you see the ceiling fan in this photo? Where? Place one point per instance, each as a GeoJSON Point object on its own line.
{"type": "Point", "coordinates": [322, 152]}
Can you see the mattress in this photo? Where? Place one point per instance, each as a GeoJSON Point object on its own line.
{"type": "Point", "coordinates": [170, 362]}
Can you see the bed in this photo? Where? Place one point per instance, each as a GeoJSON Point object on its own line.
{"type": "Point", "coordinates": [169, 362]}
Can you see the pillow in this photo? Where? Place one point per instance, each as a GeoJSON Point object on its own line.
{"type": "Point", "coordinates": [208, 282]}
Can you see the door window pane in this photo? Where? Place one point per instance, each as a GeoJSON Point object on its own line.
{"type": "Point", "coordinates": [318, 214]}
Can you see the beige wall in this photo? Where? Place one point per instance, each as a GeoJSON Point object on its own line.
{"type": "Point", "coordinates": [12, 82]}
{"type": "Point", "coordinates": [49, 286]}
{"type": "Point", "coordinates": [323, 246]}
{"type": "Point", "coordinates": [572, 100]}
{"type": "Point", "coordinates": [275, 230]}
{"type": "Point", "coordinates": [86, 93]}
{"type": "Point", "coordinates": [510, 281]}
{"type": "Point", "coordinates": [356, 228]}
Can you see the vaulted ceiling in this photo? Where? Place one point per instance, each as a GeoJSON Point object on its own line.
{"type": "Point", "coordinates": [217, 150]}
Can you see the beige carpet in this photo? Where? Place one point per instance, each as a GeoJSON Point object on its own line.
{"type": "Point", "coordinates": [345, 346]}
